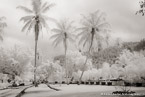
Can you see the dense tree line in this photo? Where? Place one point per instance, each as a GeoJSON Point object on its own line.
{"type": "Point", "coordinates": [93, 40]}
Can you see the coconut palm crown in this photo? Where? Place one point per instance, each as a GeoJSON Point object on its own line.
{"type": "Point", "coordinates": [94, 30]}
{"type": "Point", "coordinates": [63, 33]}
{"type": "Point", "coordinates": [36, 18]}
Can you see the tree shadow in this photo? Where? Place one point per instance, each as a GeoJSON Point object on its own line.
{"type": "Point", "coordinates": [38, 91]}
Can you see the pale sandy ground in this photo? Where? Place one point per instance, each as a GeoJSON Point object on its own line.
{"type": "Point", "coordinates": [11, 92]}
{"type": "Point", "coordinates": [78, 91]}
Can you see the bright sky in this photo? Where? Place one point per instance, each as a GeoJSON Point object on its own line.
{"type": "Point", "coordinates": [120, 14]}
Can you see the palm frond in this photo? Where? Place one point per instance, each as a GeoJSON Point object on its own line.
{"type": "Point", "coordinates": [43, 22]}
{"type": "Point", "coordinates": [55, 36]}
{"type": "Point", "coordinates": [26, 25]}
{"type": "Point", "coordinates": [92, 19]}
{"type": "Point", "coordinates": [86, 24]}
{"type": "Point", "coordinates": [48, 18]}
{"type": "Point", "coordinates": [58, 24]}
{"type": "Point", "coordinates": [71, 37]}
{"type": "Point", "coordinates": [33, 22]}
{"type": "Point", "coordinates": [69, 25]}
{"type": "Point", "coordinates": [96, 13]}
{"type": "Point", "coordinates": [81, 29]}
{"type": "Point", "coordinates": [40, 27]}
{"type": "Point", "coordinates": [104, 24]}
{"type": "Point", "coordinates": [44, 5]}
{"type": "Point", "coordinates": [56, 30]}
{"type": "Point", "coordinates": [27, 10]}
{"type": "Point", "coordinates": [64, 25]}
{"type": "Point", "coordinates": [87, 40]}
{"type": "Point", "coordinates": [82, 33]}
{"type": "Point", "coordinates": [36, 6]}
{"type": "Point", "coordinates": [57, 41]}
{"type": "Point", "coordinates": [26, 18]}
{"type": "Point", "coordinates": [99, 18]}
{"type": "Point", "coordinates": [104, 30]}
{"type": "Point", "coordinates": [86, 20]}
{"type": "Point", "coordinates": [64, 32]}
{"type": "Point", "coordinates": [46, 8]}
{"type": "Point", "coordinates": [82, 39]}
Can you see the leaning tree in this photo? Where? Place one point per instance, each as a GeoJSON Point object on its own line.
{"type": "Point", "coordinates": [93, 32]}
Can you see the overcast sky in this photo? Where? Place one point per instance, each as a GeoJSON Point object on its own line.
{"type": "Point", "coordinates": [120, 14]}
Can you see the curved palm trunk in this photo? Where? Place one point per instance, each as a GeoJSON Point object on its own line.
{"type": "Point", "coordinates": [80, 79]}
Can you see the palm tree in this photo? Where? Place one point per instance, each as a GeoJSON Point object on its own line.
{"type": "Point", "coordinates": [35, 21]}
{"type": "Point", "coordinates": [92, 33]}
{"type": "Point", "coordinates": [63, 34]}
{"type": "Point", "coordinates": [2, 26]}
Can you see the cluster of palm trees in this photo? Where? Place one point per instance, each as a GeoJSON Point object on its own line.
{"type": "Point", "coordinates": [93, 32]}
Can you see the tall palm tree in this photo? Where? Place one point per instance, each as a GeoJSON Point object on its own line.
{"type": "Point", "coordinates": [35, 21]}
{"type": "Point", "coordinates": [64, 33]}
{"type": "Point", "coordinates": [92, 33]}
{"type": "Point", "coordinates": [2, 26]}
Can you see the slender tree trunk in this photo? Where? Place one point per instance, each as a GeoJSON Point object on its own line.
{"type": "Point", "coordinates": [35, 65]}
{"type": "Point", "coordinates": [36, 41]}
{"type": "Point", "coordinates": [65, 47]}
{"type": "Point", "coordinates": [80, 79]}
{"type": "Point", "coordinates": [86, 58]}
{"type": "Point", "coordinates": [143, 78]}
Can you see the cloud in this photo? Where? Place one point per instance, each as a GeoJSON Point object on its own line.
{"type": "Point", "coordinates": [120, 14]}
{"type": "Point", "coordinates": [10, 42]}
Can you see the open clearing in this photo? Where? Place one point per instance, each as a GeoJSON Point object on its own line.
{"type": "Point", "coordinates": [78, 91]}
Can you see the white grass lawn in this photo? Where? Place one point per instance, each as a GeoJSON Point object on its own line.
{"type": "Point", "coordinates": [4, 85]}
{"type": "Point", "coordinates": [11, 92]}
{"type": "Point", "coordinates": [76, 91]}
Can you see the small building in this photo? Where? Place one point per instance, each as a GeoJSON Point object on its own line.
{"type": "Point", "coordinates": [110, 82]}
{"type": "Point", "coordinates": [117, 82]}
{"type": "Point", "coordinates": [102, 81]}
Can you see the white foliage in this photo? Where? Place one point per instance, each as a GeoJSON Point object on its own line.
{"type": "Point", "coordinates": [106, 71]}
{"type": "Point", "coordinates": [133, 63]}
{"type": "Point", "coordinates": [50, 70]}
